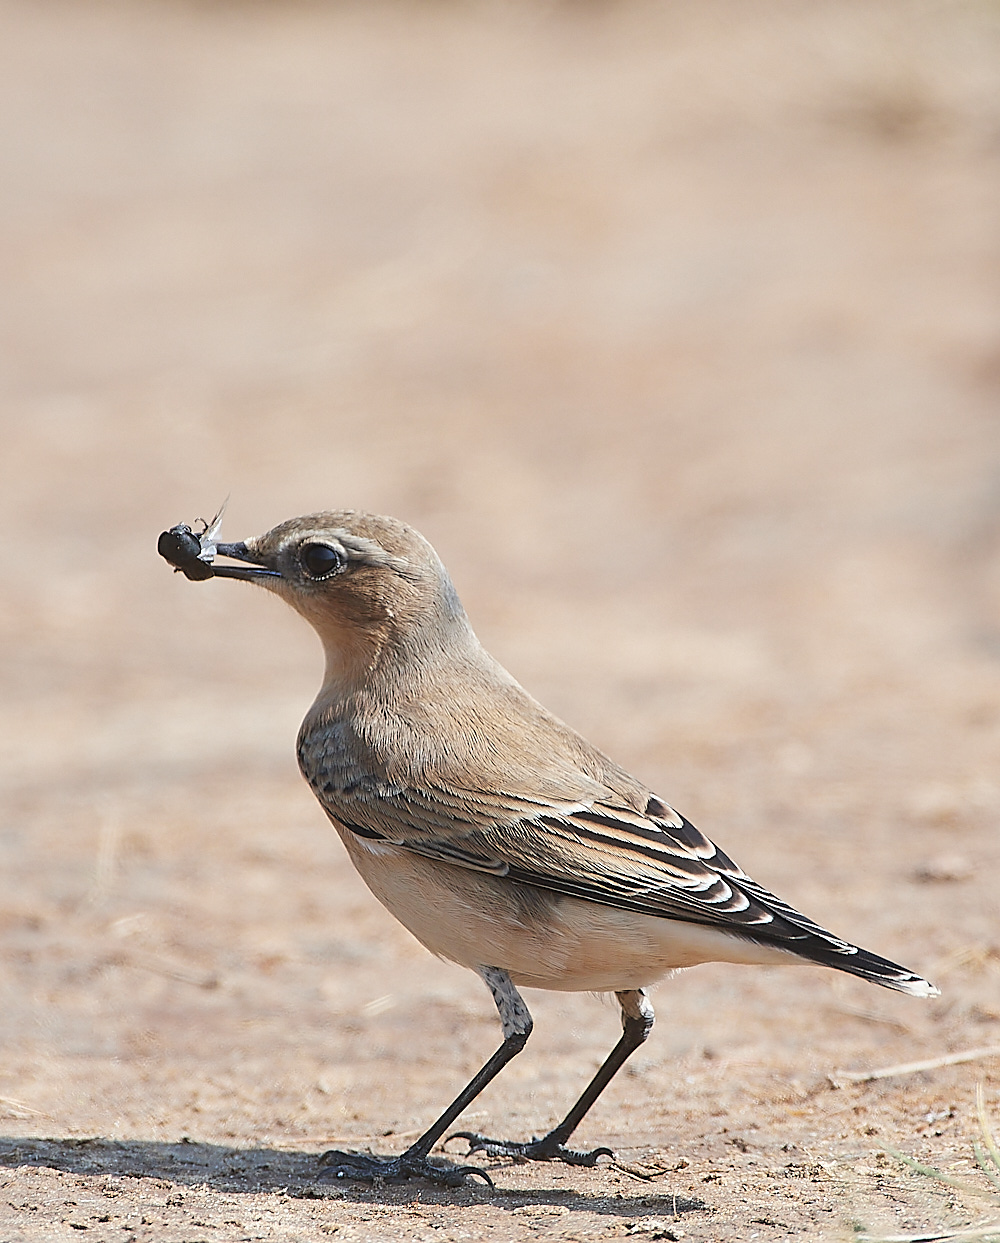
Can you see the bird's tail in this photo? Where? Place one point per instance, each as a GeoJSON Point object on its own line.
{"type": "Point", "coordinates": [863, 963]}
{"type": "Point", "coordinates": [798, 934]}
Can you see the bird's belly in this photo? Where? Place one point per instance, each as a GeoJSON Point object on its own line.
{"type": "Point", "coordinates": [543, 940]}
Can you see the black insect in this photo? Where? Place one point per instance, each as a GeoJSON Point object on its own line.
{"type": "Point", "coordinates": [182, 548]}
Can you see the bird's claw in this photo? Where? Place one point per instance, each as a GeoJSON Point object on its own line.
{"type": "Point", "coordinates": [544, 1149]}
{"type": "Point", "coordinates": [370, 1169]}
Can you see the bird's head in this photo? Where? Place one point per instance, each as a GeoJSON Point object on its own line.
{"type": "Point", "coordinates": [364, 582]}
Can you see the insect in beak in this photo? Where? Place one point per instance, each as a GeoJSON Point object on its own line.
{"type": "Point", "coordinates": [193, 553]}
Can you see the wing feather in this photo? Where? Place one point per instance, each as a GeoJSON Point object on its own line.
{"type": "Point", "coordinates": [602, 851]}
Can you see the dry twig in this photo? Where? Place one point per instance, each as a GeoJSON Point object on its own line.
{"type": "Point", "coordinates": [839, 1077]}
{"type": "Point", "coordinates": [991, 1231]}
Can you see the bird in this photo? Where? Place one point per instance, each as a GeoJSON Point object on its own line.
{"type": "Point", "coordinates": [492, 831]}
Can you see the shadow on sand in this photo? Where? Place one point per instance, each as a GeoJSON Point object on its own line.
{"type": "Point", "coordinates": [297, 1174]}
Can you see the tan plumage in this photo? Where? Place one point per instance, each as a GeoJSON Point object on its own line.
{"type": "Point", "coordinates": [488, 827]}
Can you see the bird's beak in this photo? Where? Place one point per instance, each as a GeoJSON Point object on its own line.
{"type": "Point", "coordinates": [257, 567]}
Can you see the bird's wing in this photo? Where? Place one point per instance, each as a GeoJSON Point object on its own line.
{"type": "Point", "coordinates": [655, 862]}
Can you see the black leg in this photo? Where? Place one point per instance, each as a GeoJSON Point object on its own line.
{"type": "Point", "coordinates": [414, 1163]}
{"type": "Point", "coordinates": [637, 1021]}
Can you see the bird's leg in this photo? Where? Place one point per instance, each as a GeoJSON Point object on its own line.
{"type": "Point", "coordinates": [414, 1163]}
{"type": "Point", "coordinates": [637, 1021]}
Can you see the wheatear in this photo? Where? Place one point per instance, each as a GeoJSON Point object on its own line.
{"type": "Point", "coordinates": [492, 831]}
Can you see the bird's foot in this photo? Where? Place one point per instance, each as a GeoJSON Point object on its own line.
{"type": "Point", "coordinates": [545, 1149]}
{"type": "Point", "coordinates": [370, 1169]}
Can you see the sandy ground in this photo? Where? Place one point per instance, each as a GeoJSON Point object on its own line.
{"type": "Point", "coordinates": [676, 328]}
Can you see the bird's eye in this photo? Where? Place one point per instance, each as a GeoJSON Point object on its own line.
{"type": "Point", "coordinates": [320, 560]}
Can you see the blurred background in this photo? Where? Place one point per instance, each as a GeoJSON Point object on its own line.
{"type": "Point", "coordinates": [674, 326]}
